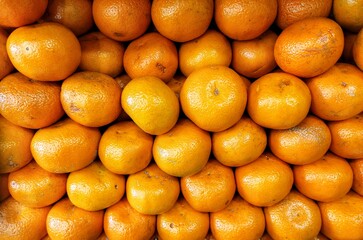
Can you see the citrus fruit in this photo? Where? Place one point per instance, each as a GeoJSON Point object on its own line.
{"type": "Point", "coordinates": [30, 103]}
{"type": "Point", "coordinates": [309, 47]}
{"type": "Point", "coordinates": [278, 100]}
{"type": "Point", "coordinates": [211, 189]}
{"type": "Point", "coordinates": [92, 99]}
{"type": "Point", "coordinates": [240, 144]}
{"type": "Point", "coordinates": [151, 104]}
{"type": "Point", "coordinates": [182, 151]}
{"type": "Point", "coordinates": [213, 97]}
{"type": "Point", "coordinates": [124, 148]}
{"type": "Point", "coordinates": [45, 51]}
{"type": "Point", "coordinates": [65, 146]}
{"type": "Point", "coordinates": [152, 191]}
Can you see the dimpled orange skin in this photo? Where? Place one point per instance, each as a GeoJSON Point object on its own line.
{"type": "Point", "coordinates": [65, 146]}
{"type": "Point", "coordinates": [278, 100]}
{"type": "Point", "coordinates": [295, 217]}
{"type": "Point", "coordinates": [182, 222]}
{"type": "Point", "coordinates": [254, 58]}
{"type": "Point", "coordinates": [244, 20]}
{"type": "Point", "coordinates": [347, 137]}
{"type": "Point", "coordinates": [181, 21]}
{"type": "Point", "coordinates": [214, 97]}
{"type": "Point", "coordinates": [66, 221]}
{"type": "Point", "coordinates": [21, 12]}
{"type": "Point", "coordinates": [87, 187]}
{"type": "Point", "coordinates": [124, 148]}
{"type": "Point", "coordinates": [311, 137]}
{"type": "Point", "coordinates": [14, 146]}
{"type": "Point", "coordinates": [240, 144]}
{"type": "Point", "coordinates": [20, 222]}
{"type": "Point", "coordinates": [91, 98]}
{"type": "Point", "coordinates": [357, 50]}
{"type": "Point", "coordinates": [152, 54]}
{"type": "Point", "coordinates": [211, 189]}
{"type": "Point", "coordinates": [309, 47]}
{"type": "Point", "coordinates": [265, 181]}
{"type": "Point", "coordinates": [35, 187]}
{"type": "Point", "coordinates": [337, 94]}
{"type": "Point", "coordinates": [152, 191]}
{"type": "Point", "coordinates": [182, 151]}
{"type": "Point", "coordinates": [6, 67]}
{"type": "Point", "coordinates": [151, 104]}
{"type": "Point", "coordinates": [343, 216]}
{"type": "Point", "coordinates": [357, 167]}
{"type": "Point", "coordinates": [46, 51]}
{"type": "Point", "coordinates": [101, 54]}
{"type": "Point", "coordinates": [29, 103]}
{"type": "Point", "coordinates": [212, 48]}
{"type": "Point", "coordinates": [290, 11]}
{"type": "Point", "coordinates": [238, 219]}
{"type": "Point", "coordinates": [331, 173]}
{"type": "Point", "coordinates": [122, 20]}
{"type": "Point", "coordinates": [121, 221]}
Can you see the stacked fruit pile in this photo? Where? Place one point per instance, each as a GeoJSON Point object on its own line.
{"type": "Point", "coordinates": [138, 119]}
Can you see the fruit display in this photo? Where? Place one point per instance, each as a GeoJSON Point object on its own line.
{"type": "Point", "coordinates": [181, 119]}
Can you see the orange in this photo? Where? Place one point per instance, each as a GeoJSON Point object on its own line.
{"type": "Point", "coordinates": [14, 146]}
{"type": "Point", "coordinates": [182, 151]}
{"type": "Point", "coordinates": [324, 180]}
{"type": "Point", "coordinates": [151, 55]}
{"type": "Point", "coordinates": [291, 11]}
{"type": "Point", "coordinates": [75, 15]}
{"type": "Point", "coordinates": [124, 148]}
{"type": "Point", "coordinates": [20, 222]}
{"type": "Point", "coordinates": [348, 14]}
{"type": "Point", "coordinates": [101, 54]}
{"type": "Point", "coordinates": [4, 190]}
{"type": "Point", "coordinates": [311, 137]}
{"type": "Point", "coordinates": [337, 94]}
{"type": "Point", "coordinates": [254, 58]}
{"type": "Point", "coordinates": [94, 187]}
{"type": "Point", "coordinates": [357, 168]}
{"type": "Point", "coordinates": [265, 181]}
{"type": "Point", "coordinates": [29, 103]}
{"type": "Point", "coordinates": [182, 222]}
{"type": "Point", "coordinates": [295, 217]}
{"type": "Point", "coordinates": [151, 104]}
{"type": "Point", "coordinates": [238, 219]}
{"type": "Point", "coordinates": [358, 50]}
{"type": "Point", "coordinates": [244, 20]}
{"type": "Point", "coordinates": [66, 221]}
{"type": "Point", "coordinates": [123, 80]}
{"type": "Point", "coordinates": [343, 216]}
{"type": "Point", "coordinates": [211, 48]}
{"type": "Point", "coordinates": [349, 40]}
{"type": "Point", "coordinates": [46, 51]}
{"type": "Point", "coordinates": [278, 100]}
{"type": "Point", "coordinates": [90, 98]}
{"type": "Point", "coordinates": [309, 47]}
{"type": "Point", "coordinates": [35, 187]}
{"type": "Point", "coordinates": [21, 12]}
{"type": "Point", "coordinates": [6, 67]}
{"type": "Point", "coordinates": [152, 191]}
{"type": "Point", "coordinates": [176, 84]}
{"type": "Point", "coordinates": [211, 189]}
{"type": "Point", "coordinates": [121, 221]}
{"type": "Point", "coordinates": [347, 137]}
{"type": "Point", "coordinates": [122, 20]}
{"type": "Point", "coordinates": [214, 97]}
{"type": "Point", "coordinates": [65, 146]}
{"type": "Point", "coordinates": [240, 144]}
{"type": "Point", "coordinates": [181, 21]}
